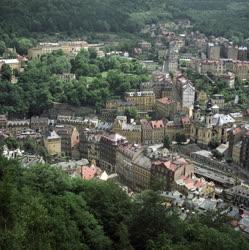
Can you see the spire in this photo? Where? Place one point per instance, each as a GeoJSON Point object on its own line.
{"type": "Point", "coordinates": [196, 103]}
{"type": "Point", "coordinates": [209, 106]}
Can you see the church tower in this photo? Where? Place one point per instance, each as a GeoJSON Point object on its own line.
{"type": "Point", "coordinates": [208, 114]}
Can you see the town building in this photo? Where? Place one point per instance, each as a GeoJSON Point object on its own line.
{"type": "Point", "coordinates": [52, 143]}
{"type": "Point", "coordinates": [89, 145]}
{"type": "Point", "coordinates": [160, 84]}
{"type": "Point", "coordinates": [108, 151]}
{"type": "Point", "coordinates": [242, 53]}
{"type": "Point", "coordinates": [14, 64]}
{"type": "Point", "coordinates": [69, 138]}
{"type": "Point", "coordinates": [209, 128]}
{"type": "Point", "coordinates": [15, 127]}
{"type": "Point", "coordinates": [244, 155]}
{"type": "Point", "coordinates": [213, 51]}
{"type": "Point", "coordinates": [143, 100]}
{"type": "Point", "coordinates": [39, 124]}
{"type": "Point", "coordinates": [165, 173]}
{"type": "Point", "coordinates": [167, 107]}
{"type": "Point", "coordinates": [152, 131]}
{"type": "Point", "coordinates": [186, 91]}
{"type": "Point", "coordinates": [69, 48]}
{"type": "Point", "coordinates": [218, 100]}
{"type": "Point", "coordinates": [232, 52]}
{"type": "Point", "coordinates": [238, 195]}
{"type": "Point", "coordinates": [126, 154]}
{"type": "Point", "coordinates": [132, 131]}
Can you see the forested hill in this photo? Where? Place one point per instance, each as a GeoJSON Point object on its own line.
{"type": "Point", "coordinates": [43, 208]}
{"type": "Point", "coordinates": [72, 15]}
{"type": "Point", "coordinates": [229, 18]}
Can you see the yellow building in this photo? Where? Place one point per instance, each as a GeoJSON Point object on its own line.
{"type": "Point", "coordinates": [202, 98]}
{"type": "Point", "coordinates": [143, 101]}
{"type": "Point", "coordinates": [69, 48]}
{"type": "Point", "coordinates": [14, 64]}
{"type": "Point", "coordinates": [52, 143]}
{"type": "Point", "coordinates": [209, 128]}
{"type": "Point", "coordinates": [132, 132]}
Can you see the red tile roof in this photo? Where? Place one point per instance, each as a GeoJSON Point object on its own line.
{"type": "Point", "coordinates": [166, 100]}
{"type": "Point", "coordinates": [88, 173]}
{"type": "Point", "coordinates": [157, 124]}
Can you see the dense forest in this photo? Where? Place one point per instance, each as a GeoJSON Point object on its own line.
{"type": "Point", "coordinates": [28, 18]}
{"type": "Point", "coordinates": [229, 18]}
{"type": "Point", "coordinates": [43, 208]}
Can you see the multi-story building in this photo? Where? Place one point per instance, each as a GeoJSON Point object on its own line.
{"type": "Point", "coordinates": [167, 172]}
{"type": "Point", "coordinates": [178, 126]}
{"type": "Point", "coordinates": [118, 105]}
{"type": "Point", "coordinates": [108, 151]}
{"type": "Point", "coordinates": [78, 122]}
{"type": "Point", "coordinates": [232, 52]}
{"type": "Point", "coordinates": [160, 84]}
{"type": "Point", "coordinates": [141, 173]}
{"type": "Point", "coordinates": [241, 69]}
{"type": "Point", "coordinates": [213, 51]}
{"type": "Point", "coordinates": [209, 128]}
{"type": "Point", "coordinates": [218, 100]}
{"type": "Point", "coordinates": [14, 64]}
{"type": "Point", "coordinates": [40, 124]}
{"type": "Point", "coordinates": [143, 100]}
{"type": "Point", "coordinates": [132, 131]}
{"type": "Point", "coordinates": [186, 91]}
{"type": "Point", "coordinates": [244, 153]}
{"type": "Point", "coordinates": [52, 143]}
{"type": "Point", "coordinates": [167, 107]}
{"type": "Point", "coordinates": [235, 137]}
{"type": "Point", "coordinates": [69, 138]}
{"type": "Point", "coordinates": [152, 132]}
{"type": "Point", "coordinates": [89, 145]}
{"type": "Point", "coordinates": [126, 154]}
{"type": "Point", "coordinates": [238, 195]}
{"type": "Point", "coordinates": [17, 126]}
{"type": "Point", "coordinates": [69, 48]}
{"type": "Point", "coordinates": [242, 54]}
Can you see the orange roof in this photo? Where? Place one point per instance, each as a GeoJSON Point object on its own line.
{"type": "Point", "coordinates": [88, 173]}
{"type": "Point", "coordinates": [169, 165]}
{"type": "Point", "coordinates": [185, 120]}
{"type": "Point", "coordinates": [236, 131]}
{"type": "Point", "coordinates": [157, 124]}
{"type": "Point", "coordinates": [166, 100]}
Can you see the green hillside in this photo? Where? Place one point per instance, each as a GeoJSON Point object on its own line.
{"type": "Point", "coordinates": [43, 208]}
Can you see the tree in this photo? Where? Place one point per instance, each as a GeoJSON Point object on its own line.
{"type": "Point", "coordinates": [2, 47]}
{"type": "Point", "coordinates": [180, 138]}
{"type": "Point", "coordinates": [167, 142]}
{"type": "Point", "coordinates": [22, 45]}
{"type": "Point", "coordinates": [6, 72]}
{"type": "Point", "coordinates": [131, 113]}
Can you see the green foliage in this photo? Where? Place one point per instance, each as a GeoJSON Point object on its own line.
{"type": "Point", "coordinates": [180, 138]}
{"type": "Point", "coordinates": [6, 72]}
{"type": "Point", "coordinates": [97, 80]}
{"type": "Point", "coordinates": [167, 142]}
{"type": "Point", "coordinates": [11, 143]}
{"type": "Point", "coordinates": [43, 208]}
{"type": "Point", "coordinates": [131, 113]}
{"type": "Point", "coordinates": [2, 47]}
